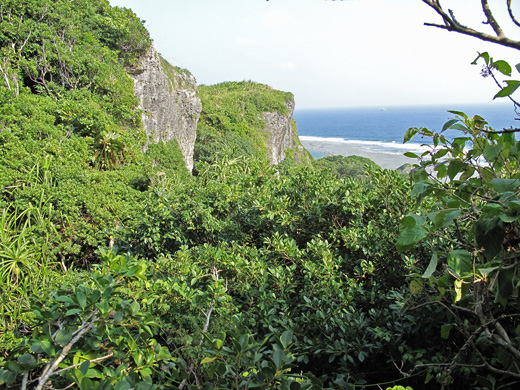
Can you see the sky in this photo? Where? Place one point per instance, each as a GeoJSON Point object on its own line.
{"type": "Point", "coordinates": [329, 54]}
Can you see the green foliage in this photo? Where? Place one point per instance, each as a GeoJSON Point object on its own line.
{"type": "Point", "coordinates": [167, 161]}
{"type": "Point", "coordinates": [23, 269]}
{"type": "Point", "coordinates": [257, 244]}
{"type": "Point", "coordinates": [332, 276]}
{"type": "Point", "coordinates": [350, 166]}
{"type": "Point", "coordinates": [90, 335]}
{"type": "Point", "coordinates": [178, 77]}
{"type": "Point", "coordinates": [490, 65]}
{"type": "Point", "coordinates": [66, 105]}
{"type": "Point", "coordinates": [471, 231]}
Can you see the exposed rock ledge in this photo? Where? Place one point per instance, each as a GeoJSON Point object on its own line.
{"type": "Point", "coordinates": [283, 135]}
{"type": "Point", "coordinates": [170, 104]}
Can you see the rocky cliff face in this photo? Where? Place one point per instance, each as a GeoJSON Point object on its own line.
{"type": "Point", "coordinates": [170, 104]}
{"type": "Point", "coordinates": [283, 136]}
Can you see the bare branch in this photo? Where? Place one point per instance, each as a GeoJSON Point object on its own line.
{"type": "Point", "coordinates": [491, 19]}
{"type": "Point", "coordinates": [91, 361]}
{"type": "Point", "coordinates": [503, 131]}
{"type": "Point", "coordinates": [451, 24]}
{"type": "Point", "coordinates": [87, 324]}
{"type": "Point", "coordinates": [24, 381]}
{"type": "Point", "coordinates": [24, 43]}
{"type": "Point", "coordinates": [206, 314]}
{"type": "Point", "coordinates": [511, 15]}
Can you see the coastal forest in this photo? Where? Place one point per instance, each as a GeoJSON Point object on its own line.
{"type": "Point", "coordinates": [120, 268]}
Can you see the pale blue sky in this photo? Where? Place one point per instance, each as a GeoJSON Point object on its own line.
{"type": "Point", "coordinates": [328, 53]}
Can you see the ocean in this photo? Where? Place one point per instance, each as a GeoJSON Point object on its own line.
{"type": "Point", "coordinates": [380, 130]}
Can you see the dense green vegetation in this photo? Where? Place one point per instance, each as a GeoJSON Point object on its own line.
{"type": "Point", "coordinates": [120, 270]}
{"type": "Point", "coordinates": [71, 137]}
{"type": "Point", "coordinates": [350, 166]}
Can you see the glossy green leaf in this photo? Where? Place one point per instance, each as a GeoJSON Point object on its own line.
{"type": "Point", "coordinates": [505, 185]}
{"type": "Point", "coordinates": [459, 113]}
{"type": "Point", "coordinates": [506, 287]}
{"type": "Point", "coordinates": [432, 266]}
{"type": "Point", "coordinates": [73, 312]}
{"type": "Point", "coordinates": [508, 218]}
{"type": "Point", "coordinates": [420, 188]}
{"type": "Point", "coordinates": [416, 287]}
{"type": "Point", "coordinates": [459, 294]}
{"type": "Point", "coordinates": [445, 218]}
{"type": "Point", "coordinates": [278, 357]}
{"type": "Point", "coordinates": [514, 205]}
{"type": "Point", "coordinates": [491, 152]}
{"type": "Point", "coordinates": [411, 220]}
{"type": "Point", "coordinates": [135, 307]}
{"type": "Point", "coordinates": [410, 133]}
{"type": "Point", "coordinates": [445, 331]}
{"type": "Point", "coordinates": [82, 299]}
{"type": "Point", "coordinates": [84, 367]}
{"type": "Point", "coordinates": [63, 337]}
{"type": "Point", "coordinates": [87, 384]}
{"type": "Point", "coordinates": [65, 299]}
{"type": "Point", "coordinates": [503, 67]}
{"type": "Point", "coordinates": [27, 360]}
{"type": "Point", "coordinates": [490, 236]}
{"type": "Point", "coordinates": [512, 86]}
{"type": "Point", "coordinates": [493, 209]}
{"type": "Point", "coordinates": [454, 168]}
{"type": "Point", "coordinates": [286, 339]}
{"type": "Point", "coordinates": [103, 306]}
{"type": "Point", "coordinates": [461, 262]}
{"type": "Point", "coordinates": [484, 56]}
{"type": "Point", "coordinates": [449, 124]}
{"type": "Point", "coordinates": [94, 297]}
{"type": "Point", "coordinates": [410, 236]}
{"type": "Point", "coordinates": [467, 173]}
{"type": "Point", "coordinates": [441, 153]}
{"type": "Point", "coordinates": [459, 127]}
{"type": "Point", "coordinates": [123, 385]}
{"type": "Point", "coordinates": [47, 347]}
{"type": "Point", "coordinates": [7, 377]}
{"type": "Point", "coordinates": [486, 271]}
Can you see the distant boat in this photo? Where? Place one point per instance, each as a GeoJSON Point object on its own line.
{"type": "Point", "coordinates": [382, 109]}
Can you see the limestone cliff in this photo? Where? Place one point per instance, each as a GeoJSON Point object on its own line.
{"type": "Point", "coordinates": [169, 100]}
{"type": "Point", "coordinates": [283, 135]}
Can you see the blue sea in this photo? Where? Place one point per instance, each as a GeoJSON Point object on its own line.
{"type": "Point", "coordinates": [382, 129]}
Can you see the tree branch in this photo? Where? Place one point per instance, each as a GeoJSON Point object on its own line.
{"type": "Point", "coordinates": [206, 314]}
{"type": "Point", "coordinates": [491, 19]}
{"type": "Point", "coordinates": [87, 324]}
{"type": "Point", "coordinates": [451, 24]}
{"type": "Point", "coordinates": [503, 131]}
{"type": "Point", "coordinates": [79, 364]}
{"type": "Point", "coordinates": [511, 15]}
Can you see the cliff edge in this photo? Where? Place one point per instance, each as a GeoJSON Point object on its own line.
{"type": "Point", "coordinates": [283, 135]}
{"type": "Point", "coordinates": [170, 103]}
{"type": "Point", "coordinates": [247, 118]}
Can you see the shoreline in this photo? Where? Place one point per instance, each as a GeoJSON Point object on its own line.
{"type": "Point", "coordinates": [385, 159]}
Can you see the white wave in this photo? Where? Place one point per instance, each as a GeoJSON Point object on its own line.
{"type": "Point", "coordinates": [387, 147]}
